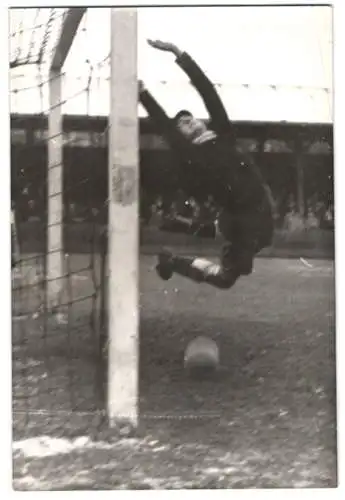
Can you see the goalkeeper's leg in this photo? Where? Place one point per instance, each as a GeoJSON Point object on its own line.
{"type": "Point", "coordinates": [223, 275]}
{"type": "Point", "coordinates": [236, 259]}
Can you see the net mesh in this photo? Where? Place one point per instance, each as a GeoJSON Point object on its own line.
{"type": "Point", "coordinates": [33, 35]}
{"type": "Point", "coordinates": [58, 365]}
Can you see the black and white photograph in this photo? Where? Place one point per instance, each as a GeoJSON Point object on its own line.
{"type": "Point", "coordinates": [172, 247]}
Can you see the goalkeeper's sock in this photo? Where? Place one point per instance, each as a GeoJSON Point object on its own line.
{"type": "Point", "coordinates": [205, 271]}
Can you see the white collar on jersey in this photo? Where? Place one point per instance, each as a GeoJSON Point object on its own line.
{"type": "Point", "coordinates": [206, 136]}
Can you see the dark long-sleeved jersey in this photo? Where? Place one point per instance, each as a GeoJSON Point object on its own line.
{"type": "Point", "coordinates": [214, 167]}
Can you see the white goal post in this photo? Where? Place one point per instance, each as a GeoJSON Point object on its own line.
{"type": "Point", "coordinates": [123, 253]}
{"type": "Point", "coordinates": [55, 247]}
{"type": "Point", "coordinates": [123, 177]}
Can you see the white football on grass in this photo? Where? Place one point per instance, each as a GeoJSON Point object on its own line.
{"type": "Point", "coordinates": [201, 355]}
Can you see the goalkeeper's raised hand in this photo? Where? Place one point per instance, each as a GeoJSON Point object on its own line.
{"type": "Point", "coordinates": [141, 86]}
{"type": "Point", "coordinates": [165, 46]}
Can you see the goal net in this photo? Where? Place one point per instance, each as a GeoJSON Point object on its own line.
{"type": "Point", "coordinates": [66, 235]}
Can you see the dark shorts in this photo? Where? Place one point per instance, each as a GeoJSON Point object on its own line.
{"type": "Point", "coordinates": [245, 235]}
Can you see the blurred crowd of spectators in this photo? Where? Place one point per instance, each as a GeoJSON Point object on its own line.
{"type": "Point", "coordinates": [318, 214]}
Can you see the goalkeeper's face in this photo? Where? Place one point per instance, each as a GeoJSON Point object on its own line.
{"type": "Point", "coordinates": [190, 127]}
